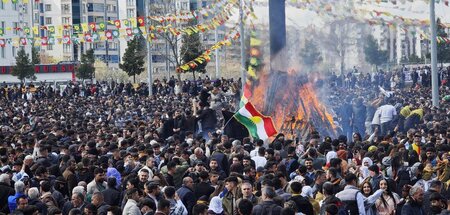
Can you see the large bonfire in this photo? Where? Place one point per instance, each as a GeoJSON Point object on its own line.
{"type": "Point", "coordinates": [291, 100]}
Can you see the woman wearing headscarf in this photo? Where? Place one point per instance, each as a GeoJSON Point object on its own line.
{"type": "Point", "coordinates": [330, 155]}
{"type": "Point", "coordinates": [367, 162]}
{"type": "Point", "coordinates": [215, 206]}
{"type": "Point", "coordinates": [307, 192]}
{"type": "Point", "coordinates": [363, 173]}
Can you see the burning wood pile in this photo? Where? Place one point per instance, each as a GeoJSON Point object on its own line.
{"type": "Point", "coordinates": [291, 100]}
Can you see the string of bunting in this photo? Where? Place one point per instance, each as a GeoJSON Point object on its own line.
{"type": "Point", "coordinates": [232, 35]}
{"type": "Point", "coordinates": [206, 55]}
{"type": "Point", "coordinates": [384, 17]}
{"type": "Point", "coordinates": [94, 32]}
{"type": "Point", "coordinates": [439, 39]}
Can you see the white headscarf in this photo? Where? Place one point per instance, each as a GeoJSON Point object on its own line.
{"type": "Point", "coordinates": [368, 160]}
{"type": "Point", "coordinates": [216, 205]}
{"type": "Point", "coordinates": [331, 155]}
{"type": "Point", "coordinates": [364, 172]}
{"type": "Point", "coordinates": [307, 192]}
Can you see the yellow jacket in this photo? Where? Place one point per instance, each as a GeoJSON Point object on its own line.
{"type": "Point", "coordinates": [418, 111]}
{"type": "Point", "coordinates": [405, 111]}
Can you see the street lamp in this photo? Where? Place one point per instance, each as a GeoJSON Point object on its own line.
{"type": "Point", "coordinates": [434, 72]}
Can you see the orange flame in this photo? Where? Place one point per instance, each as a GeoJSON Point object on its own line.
{"type": "Point", "coordinates": [297, 108]}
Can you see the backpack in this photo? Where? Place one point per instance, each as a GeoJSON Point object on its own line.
{"type": "Point", "coordinates": [268, 210]}
{"type": "Point", "coordinates": [342, 208]}
{"type": "Point", "coordinates": [346, 207]}
{"type": "Point", "coordinates": [291, 204]}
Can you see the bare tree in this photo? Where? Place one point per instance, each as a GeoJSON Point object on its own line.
{"type": "Point", "coordinates": [172, 42]}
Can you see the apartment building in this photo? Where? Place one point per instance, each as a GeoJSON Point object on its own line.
{"type": "Point", "coordinates": [13, 16]}
{"type": "Point", "coordinates": [74, 12]}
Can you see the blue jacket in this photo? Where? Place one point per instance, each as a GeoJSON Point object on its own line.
{"type": "Point", "coordinates": [187, 197]}
{"type": "Point", "coordinates": [12, 201]}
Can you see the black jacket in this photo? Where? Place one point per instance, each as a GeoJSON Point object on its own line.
{"type": "Point", "coordinates": [203, 189]}
{"type": "Point", "coordinates": [328, 200]}
{"type": "Point", "coordinates": [303, 205]}
{"type": "Point", "coordinates": [102, 209]}
{"type": "Point", "coordinates": [412, 208]}
{"type": "Point", "coordinates": [111, 196]}
{"type": "Point", "coordinates": [5, 191]}
{"type": "Point", "coordinates": [39, 204]}
{"type": "Point", "coordinates": [208, 118]}
{"type": "Point", "coordinates": [264, 207]}
{"type": "Point", "coordinates": [187, 196]}
{"type": "Point", "coordinates": [222, 161]}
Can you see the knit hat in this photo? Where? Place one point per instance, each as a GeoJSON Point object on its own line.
{"type": "Point", "coordinates": [372, 149]}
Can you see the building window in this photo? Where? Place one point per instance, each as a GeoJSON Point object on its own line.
{"type": "Point", "coordinates": [3, 24]}
{"type": "Point", "coordinates": [50, 47]}
{"type": "Point", "coordinates": [66, 48]}
{"type": "Point", "coordinates": [130, 13]}
{"type": "Point", "coordinates": [48, 7]}
{"type": "Point", "coordinates": [14, 6]}
{"type": "Point", "coordinates": [13, 51]}
{"type": "Point", "coordinates": [48, 20]}
{"type": "Point", "coordinates": [2, 5]}
{"type": "Point", "coordinates": [36, 18]}
{"type": "Point", "coordinates": [2, 52]}
{"type": "Point", "coordinates": [66, 20]}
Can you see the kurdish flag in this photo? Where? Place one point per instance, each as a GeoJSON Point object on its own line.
{"type": "Point", "coordinates": [258, 125]}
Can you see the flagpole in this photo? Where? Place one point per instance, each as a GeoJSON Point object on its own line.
{"type": "Point", "coordinates": [242, 33]}
{"type": "Point", "coordinates": [229, 121]}
{"type": "Point", "coordinates": [149, 50]}
{"type": "Point", "coordinates": [105, 20]}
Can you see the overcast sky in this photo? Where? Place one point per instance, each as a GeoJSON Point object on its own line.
{"type": "Point", "coordinates": [418, 9]}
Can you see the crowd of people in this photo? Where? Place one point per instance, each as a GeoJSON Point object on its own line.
{"type": "Point", "coordinates": [109, 148]}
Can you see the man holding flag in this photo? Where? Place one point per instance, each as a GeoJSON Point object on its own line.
{"type": "Point", "coordinates": [258, 125]}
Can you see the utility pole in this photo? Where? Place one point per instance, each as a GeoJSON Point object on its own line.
{"type": "Point", "coordinates": [149, 50]}
{"type": "Point", "coordinates": [434, 72]}
{"type": "Point", "coordinates": [242, 33]}
{"type": "Point", "coordinates": [32, 26]}
{"type": "Point", "coordinates": [105, 20]}
{"type": "Point", "coordinates": [216, 39]}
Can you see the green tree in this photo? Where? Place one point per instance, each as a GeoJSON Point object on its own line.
{"type": "Point", "coordinates": [86, 69]}
{"type": "Point", "coordinates": [133, 59]}
{"type": "Point", "coordinates": [443, 48]}
{"type": "Point", "coordinates": [24, 68]}
{"type": "Point", "coordinates": [413, 59]}
{"type": "Point", "coordinates": [191, 49]}
{"type": "Point", "coordinates": [374, 55]}
{"type": "Point", "coordinates": [35, 56]}
{"type": "Point", "coordinates": [311, 54]}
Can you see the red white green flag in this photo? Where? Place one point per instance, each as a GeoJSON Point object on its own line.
{"type": "Point", "coordinates": [258, 125]}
